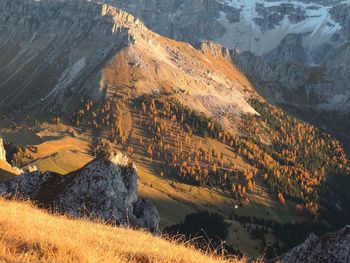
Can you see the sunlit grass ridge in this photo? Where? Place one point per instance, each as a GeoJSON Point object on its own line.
{"type": "Point", "coordinates": [31, 235]}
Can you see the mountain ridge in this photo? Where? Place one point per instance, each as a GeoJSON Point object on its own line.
{"type": "Point", "coordinates": [115, 53]}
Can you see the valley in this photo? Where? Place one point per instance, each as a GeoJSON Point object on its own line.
{"type": "Point", "coordinates": [185, 169]}
{"type": "Point", "coordinates": [248, 137]}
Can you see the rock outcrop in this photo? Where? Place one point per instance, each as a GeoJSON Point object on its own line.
{"type": "Point", "coordinates": [290, 49]}
{"type": "Point", "coordinates": [106, 189]}
{"type": "Point", "coordinates": [333, 247]}
{"type": "Point", "coordinates": [5, 168]}
{"type": "Point", "coordinates": [2, 151]}
{"type": "Point", "coordinates": [216, 50]}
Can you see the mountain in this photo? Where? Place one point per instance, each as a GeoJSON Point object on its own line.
{"type": "Point", "coordinates": [257, 26]}
{"type": "Point", "coordinates": [104, 189]}
{"type": "Point", "coordinates": [290, 50]}
{"type": "Point", "coordinates": [58, 53]}
{"type": "Point", "coordinates": [81, 79]}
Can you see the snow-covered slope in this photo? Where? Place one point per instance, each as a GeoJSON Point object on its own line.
{"type": "Point", "coordinates": [263, 24]}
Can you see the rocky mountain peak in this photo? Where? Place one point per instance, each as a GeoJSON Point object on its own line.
{"type": "Point", "coordinates": [333, 247]}
{"type": "Point", "coordinates": [54, 17]}
{"type": "Point", "coordinates": [91, 50]}
{"type": "Point", "coordinates": [255, 25]}
{"type": "Point", "coordinates": [106, 189]}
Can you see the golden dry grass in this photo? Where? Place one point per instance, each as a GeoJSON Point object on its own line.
{"type": "Point", "coordinates": [31, 235]}
{"type": "Point", "coordinates": [7, 171]}
{"type": "Point", "coordinates": [65, 144]}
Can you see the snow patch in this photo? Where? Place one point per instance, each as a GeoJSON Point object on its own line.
{"type": "Point", "coordinates": [246, 35]}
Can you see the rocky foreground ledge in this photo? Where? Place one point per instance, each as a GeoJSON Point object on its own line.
{"type": "Point", "coordinates": [105, 189]}
{"type": "Point", "coordinates": [333, 247]}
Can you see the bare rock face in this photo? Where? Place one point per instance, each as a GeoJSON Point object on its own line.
{"type": "Point", "coordinates": [215, 49]}
{"type": "Point", "coordinates": [334, 247]}
{"type": "Point", "coordinates": [2, 151]}
{"type": "Point", "coordinates": [290, 49]}
{"type": "Point", "coordinates": [55, 48]}
{"type": "Point", "coordinates": [185, 20]}
{"type": "Point", "coordinates": [105, 188]}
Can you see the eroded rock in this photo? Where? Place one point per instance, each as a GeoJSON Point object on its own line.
{"type": "Point", "coordinates": [106, 189]}
{"type": "Point", "coordinates": [333, 247]}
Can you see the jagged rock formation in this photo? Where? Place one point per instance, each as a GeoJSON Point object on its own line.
{"type": "Point", "coordinates": [216, 50]}
{"type": "Point", "coordinates": [334, 247]}
{"type": "Point", "coordinates": [185, 20]}
{"type": "Point", "coordinates": [106, 189]}
{"type": "Point", "coordinates": [58, 52]}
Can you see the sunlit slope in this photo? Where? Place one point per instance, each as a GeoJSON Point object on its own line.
{"type": "Point", "coordinates": [41, 237]}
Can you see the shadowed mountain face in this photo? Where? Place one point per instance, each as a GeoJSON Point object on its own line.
{"type": "Point", "coordinates": [333, 247]}
{"type": "Point", "coordinates": [56, 53]}
{"type": "Point", "coordinates": [52, 51]}
{"type": "Point", "coordinates": [284, 76]}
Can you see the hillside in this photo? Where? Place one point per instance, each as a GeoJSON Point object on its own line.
{"type": "Point", "coordinates": [296, 52]}
{"type": "Point", "coordinates": [42, 237]}
{"type": "Point", "coordinates": [261, 170]}
{"type": "Point", "coordinates": [82, 79]}
{"type": "Point", "coordinates": [59, 53]}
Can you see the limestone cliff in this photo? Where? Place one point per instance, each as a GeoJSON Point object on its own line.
{"type": "Point", "coordinates": [105, 189]}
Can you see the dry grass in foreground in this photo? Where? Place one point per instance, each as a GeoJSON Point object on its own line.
{"type": "Point", "coordinates": [28, 234]}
